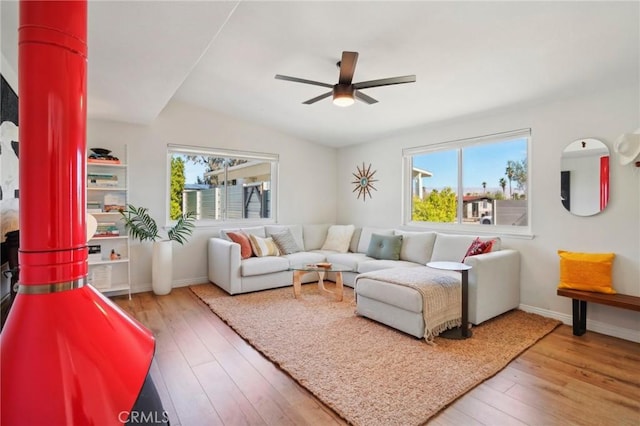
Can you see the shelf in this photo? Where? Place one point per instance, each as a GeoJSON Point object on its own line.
{"type": "Point", "coordinates": [119, 287]}
{"type": "Point", "coordinates": [113, 188]}
{"type": "Point", "coordinates": [115, 166]}
{"type": "Point", "coordinates": [104, 213]}
{"type": "Point", "coordinates": [107, 262]}
{"type": "Point", "coordinates": [119, 237]}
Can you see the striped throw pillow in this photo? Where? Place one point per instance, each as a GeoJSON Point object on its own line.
{"type": "Point", "coordinates": [263, 246]}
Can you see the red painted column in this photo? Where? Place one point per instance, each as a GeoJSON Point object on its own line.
{"type": "Point", "coordinates": [69, 356]}
{"type": "Point", "coordinates": [52, 98]}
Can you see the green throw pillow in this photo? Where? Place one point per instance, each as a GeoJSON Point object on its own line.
{"type": "Point", "coordinates": [386, 247]}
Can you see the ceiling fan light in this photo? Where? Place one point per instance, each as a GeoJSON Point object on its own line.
{"type": "Point", "coordinates": [343, 95]}
{"type": "Point", "coordinates": [343, 100]}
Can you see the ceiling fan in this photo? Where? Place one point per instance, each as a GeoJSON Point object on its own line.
{"type": "Point", "coordinates": [345, 92]}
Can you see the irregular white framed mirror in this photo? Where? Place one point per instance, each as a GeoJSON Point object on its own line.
{"type": "Point", "coordinates": [584, 177]}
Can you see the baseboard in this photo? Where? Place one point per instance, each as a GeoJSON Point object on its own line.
{"type": "Point", "coordinates": [190, 281]}
{"type": "Point", "coordinates": [143, 288]}
{"type": "Point", "coordinates": [597, 326]}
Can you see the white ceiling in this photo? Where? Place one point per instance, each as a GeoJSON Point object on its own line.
{"type": "Point", "coordinates": [468, 57]}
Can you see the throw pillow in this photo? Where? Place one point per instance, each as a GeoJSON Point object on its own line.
{"type": "Point", "coordinates": [586, 271]}
{"type": "Point", "coordinates": [338, 238]}
{"type": "Point", "coordinates": [365, 237]}
{"type": "Point", "coordinates": [263, 246]}
{"type": "Point", "coordinates": [386, 247]}
{"type": "Point", "coordinates": [286, 243]}
{"type": "Point", "coordinates": [242, 239]}
{"type": "Point", "coordinates": [478, 247]}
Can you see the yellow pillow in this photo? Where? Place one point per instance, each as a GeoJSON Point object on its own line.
{"type": "Point", "coordinates": [586, 271]}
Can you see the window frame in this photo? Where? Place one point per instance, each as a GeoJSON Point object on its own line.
{"type": "Point", "coordinates": [460, 144]}
{"type": "Point", "coordinates": [274, 159]}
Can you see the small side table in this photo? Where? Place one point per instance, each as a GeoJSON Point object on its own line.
{"type": "Point", "coordinates": [463, 331]}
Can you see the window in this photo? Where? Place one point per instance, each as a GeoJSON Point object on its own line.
{"type": "Point", "coordinates": [477, 181]}
{"type": "Point", "coordinates": [221, 185]}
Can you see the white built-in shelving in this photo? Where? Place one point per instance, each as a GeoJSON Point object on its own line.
{"type": "Point", "coordinates": [107, 192]}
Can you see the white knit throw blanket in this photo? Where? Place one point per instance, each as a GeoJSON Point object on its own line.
{"type": "Point", "coordinates": [441, 294]}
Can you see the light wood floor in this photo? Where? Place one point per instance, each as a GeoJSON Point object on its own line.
{"type": "Point", "coordinates": [207, 375]}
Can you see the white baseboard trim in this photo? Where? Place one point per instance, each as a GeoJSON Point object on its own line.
{"type": "Point", "coordinates": [142, 288]}
{"type": "Point", "coordinates": [597, 326]}
{"type": "Point", "coordinates": [190, 281]}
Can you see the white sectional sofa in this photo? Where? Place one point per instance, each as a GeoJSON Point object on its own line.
{"type": "Point", "coordinates": [494, 280]}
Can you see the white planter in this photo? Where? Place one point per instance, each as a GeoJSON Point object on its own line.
{"type": "Point", "coordinates": [161, 267]}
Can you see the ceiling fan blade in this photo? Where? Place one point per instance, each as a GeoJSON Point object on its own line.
{"type": "Point", "coordinates": [318, 98]}
{"type": "Point", "coordinates": [347, 67]}
{"type": "Point", "coordinates": [385, 82]}
{"type": "Point", "coordinates": [364, 98]}
{"type": "Point", "coordinates": [302, 80]}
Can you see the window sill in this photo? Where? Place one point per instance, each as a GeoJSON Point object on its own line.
{"type": "Point", "coordinates": [456, 228]}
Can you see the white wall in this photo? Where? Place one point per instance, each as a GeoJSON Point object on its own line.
{"type": "Point", "coordinates": [307, 176]}
{"type": "Point", "coordinates": [602, 115]}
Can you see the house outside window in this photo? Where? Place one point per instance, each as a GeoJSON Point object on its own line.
{"type": "Point", "coordinates": [462, 184]}
{"type": "Point", "coordinates": [221, 185]}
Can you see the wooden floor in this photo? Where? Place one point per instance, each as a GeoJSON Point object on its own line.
{"type": "Point", "coordinates": [207, 375]}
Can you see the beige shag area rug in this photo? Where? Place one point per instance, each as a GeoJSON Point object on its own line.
{"type": "Point", "coordinates": [368, 373]}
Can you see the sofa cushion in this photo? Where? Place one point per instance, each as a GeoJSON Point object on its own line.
{"type": "Point", "coordinates": [304, 258]}
{"type": "Point", "coordinates": [375, 265]}
{"type": "Point", "coordinates": [348, 259]}
{"type": "Point", "coordinates": [365, 237]}
{"type": "Point", "coordinates": [245, 245]}
{"type": "Point", "coordinates": [263, 265]}
{"type": "Point", "coordinates": [403, 297]}
{"type": "Point", "coordinates": [385, 247]}
{"type": "Point", "coordinates": [355, 240]}
{"type": "Point", "coordinates": [416, 246]}
{"type": "Point", "coordinates": [452, 248]}
{"type": "Point", "coordinates": [296, 231]}
{"type": "Point", "coordinates": [263, 246]}
{"type": "Point", "coordinates": [286, 243]}
{"type": "Point", "coordinates": [314, 236]}
{"type": "Point", "coordinates": [338, 238]}
{"type": "Point", "coordinates": [253, 230]}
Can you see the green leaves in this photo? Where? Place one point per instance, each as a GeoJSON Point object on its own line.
{"type": "Point", "coordinates": [439, 206]}
{"type": "Point", "coordinates": [143, 227]}
{"type": "Point", "coordinates": [183, 228]}
{"type": "Point", "coordinates": [140, 224]}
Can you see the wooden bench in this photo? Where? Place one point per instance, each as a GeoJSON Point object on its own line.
{"type": "Point", "coordinates": [580, 299]}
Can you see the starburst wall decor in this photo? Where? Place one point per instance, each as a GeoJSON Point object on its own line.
{"type": "Point", "coordinates": [364, 181]}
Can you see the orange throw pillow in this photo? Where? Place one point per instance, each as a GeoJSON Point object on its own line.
{"type": "Point", "coordinates": [245, 244]}
{"type": "Point", "coordinates": [586, 271]}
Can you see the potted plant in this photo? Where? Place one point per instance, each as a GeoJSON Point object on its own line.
{"type": "Point", "coordinates": [141, 226]}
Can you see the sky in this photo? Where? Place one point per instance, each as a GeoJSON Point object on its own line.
{"type": "Point", "coordinates": [481, 163]}
{"type": "Point", "coordinates": [192, 171]}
